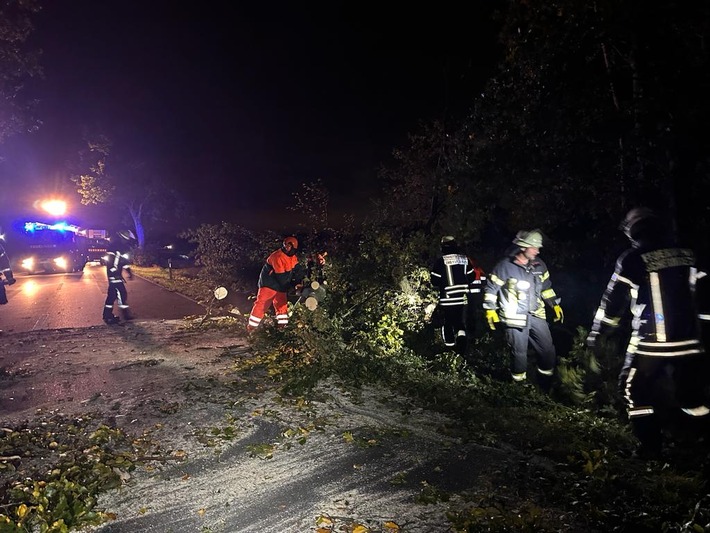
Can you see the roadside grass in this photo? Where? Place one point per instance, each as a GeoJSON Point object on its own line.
{"type": "Point", "coordinates": [183, 280]}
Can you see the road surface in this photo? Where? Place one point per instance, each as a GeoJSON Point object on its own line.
{"type": "Point", "coordinates": [56, 301]}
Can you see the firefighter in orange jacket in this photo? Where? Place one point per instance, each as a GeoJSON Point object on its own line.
{"type": "Point", "coordinates": [280, 273]}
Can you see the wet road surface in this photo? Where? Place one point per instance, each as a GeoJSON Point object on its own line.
{"type": "Point", "coordinates": [56, 301]}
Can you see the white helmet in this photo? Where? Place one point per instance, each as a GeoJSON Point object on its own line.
{"type": "Point", "coordinates": [528, 239]}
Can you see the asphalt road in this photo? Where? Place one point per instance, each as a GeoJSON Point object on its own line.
{"type": "Point", "coordinates": [55, 301]}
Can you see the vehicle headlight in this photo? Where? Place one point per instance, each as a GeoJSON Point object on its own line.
{"type": "Point", "coordinates": [61, 262]}
{"type": "Point", "coordinates": [28, 263]}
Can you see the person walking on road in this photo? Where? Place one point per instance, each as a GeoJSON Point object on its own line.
{"type": "Point", "coordinates": [516, 293]}
{"type": "Point", "coordinates": [117, 263]}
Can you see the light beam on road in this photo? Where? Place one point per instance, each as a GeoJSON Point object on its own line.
{"type": "Point", "coordinates": [30, 287]}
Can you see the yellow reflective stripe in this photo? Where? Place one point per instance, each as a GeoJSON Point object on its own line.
{"type": "Point", "coordinates": [545, 276]}
{"type": "Point", "coordinates": [488, 297]}
{"type": "Point", "coordinates": [548, 293]}
{"type": "Point", "coordinates": [495, 279]}
{"type": "Point", "coordinates": [658, 314]}
{"type": "Point", "coordinates": [514, 322]}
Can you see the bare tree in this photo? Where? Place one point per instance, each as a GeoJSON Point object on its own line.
{"type": "Point", "coordinates": [128, 186]}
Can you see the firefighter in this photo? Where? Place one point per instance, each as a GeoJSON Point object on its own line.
{"type": "Point", "coordinates": [515, 295]}
{"type": "Point", "coordinates": [280, 273]}
{"type": "Point", "coordinates": [117, 263]}
{"type": "Point", "coordinates": [652, 297]}
{"type": "Point", "coordinates": [458, 279]}
{"type": "Point", "coordinates": [6, 276]}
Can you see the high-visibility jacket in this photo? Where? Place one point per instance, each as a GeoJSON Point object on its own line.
{"type": "Point", "coordinates": [655, 288]}
{"type": "Point", "coordinates": [116, 264]}
{"type": "Point", "coordinates": [281, 272]}
{"type": "Point", "coordinates": [456, 277]}
{"type": "Point", "coordinates": [5, 268]}
{"type": "Point", "coordinates": [516, 291]}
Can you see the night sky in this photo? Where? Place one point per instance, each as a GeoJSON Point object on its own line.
{"type": "Point", "coordinates": [238, 103]}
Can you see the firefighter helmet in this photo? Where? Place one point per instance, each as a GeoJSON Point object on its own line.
{"type": "Point", "coordinates": [448, 245]}
{"type": "Point", "coordinates": [126, 235]}
{"type": "Point", "coordinates": [291, 241]}
{"type": "Point", "coordinates": [122, 240]}
{"type": "Point", "coordinates": [528, 239]}
{"type": "Point", "coordinates": [633, 218]}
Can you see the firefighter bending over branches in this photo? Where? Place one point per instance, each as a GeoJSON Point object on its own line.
{"type": "Point", "coordinates": [280, 273]}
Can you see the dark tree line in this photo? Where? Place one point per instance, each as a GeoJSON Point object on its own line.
{"type": "Point", "coordinates": [596, 107]}
{"type": "Point", "coordinates": [18, 64]}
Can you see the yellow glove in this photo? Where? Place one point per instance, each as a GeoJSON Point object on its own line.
{"type": "Point", "coordinates": [559, 315]}
{"type": "Point", "coordinates": [492, 318]}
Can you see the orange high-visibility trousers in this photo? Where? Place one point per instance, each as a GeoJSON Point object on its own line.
{"type": "Point", "coordinates": [264, 298]}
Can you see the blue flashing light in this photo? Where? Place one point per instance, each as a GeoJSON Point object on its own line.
{"type": "Point", "coordinates": [59, 226]}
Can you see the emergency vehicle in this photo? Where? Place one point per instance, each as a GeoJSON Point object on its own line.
{"type": "Point", "coordinates": [55, 247]}
{"type": "Point", "coordinates": [96, 244]}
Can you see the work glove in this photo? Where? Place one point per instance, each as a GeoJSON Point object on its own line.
{"type": "Point", "coordinates": [492, 318]}
{"type": "Point", "coordinates": [10, 279]}
{"type": "Point", "coordinates": [559, 315]}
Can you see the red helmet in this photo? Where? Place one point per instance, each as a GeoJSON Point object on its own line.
{"type": "Point", "coordinates": [292, 241]}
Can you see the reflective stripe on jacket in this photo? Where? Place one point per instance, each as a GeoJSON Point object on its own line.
{"type": "Point", "coordinates": [514, 291]}
{"type": "Point", "coordinates": [116, 263]}
{"type": "Point", "coordinates": [655, 289]}
{"type": "Point", "coordinates": [5, 263]}
{"type": "Point", "coordinates": [456, 276]}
